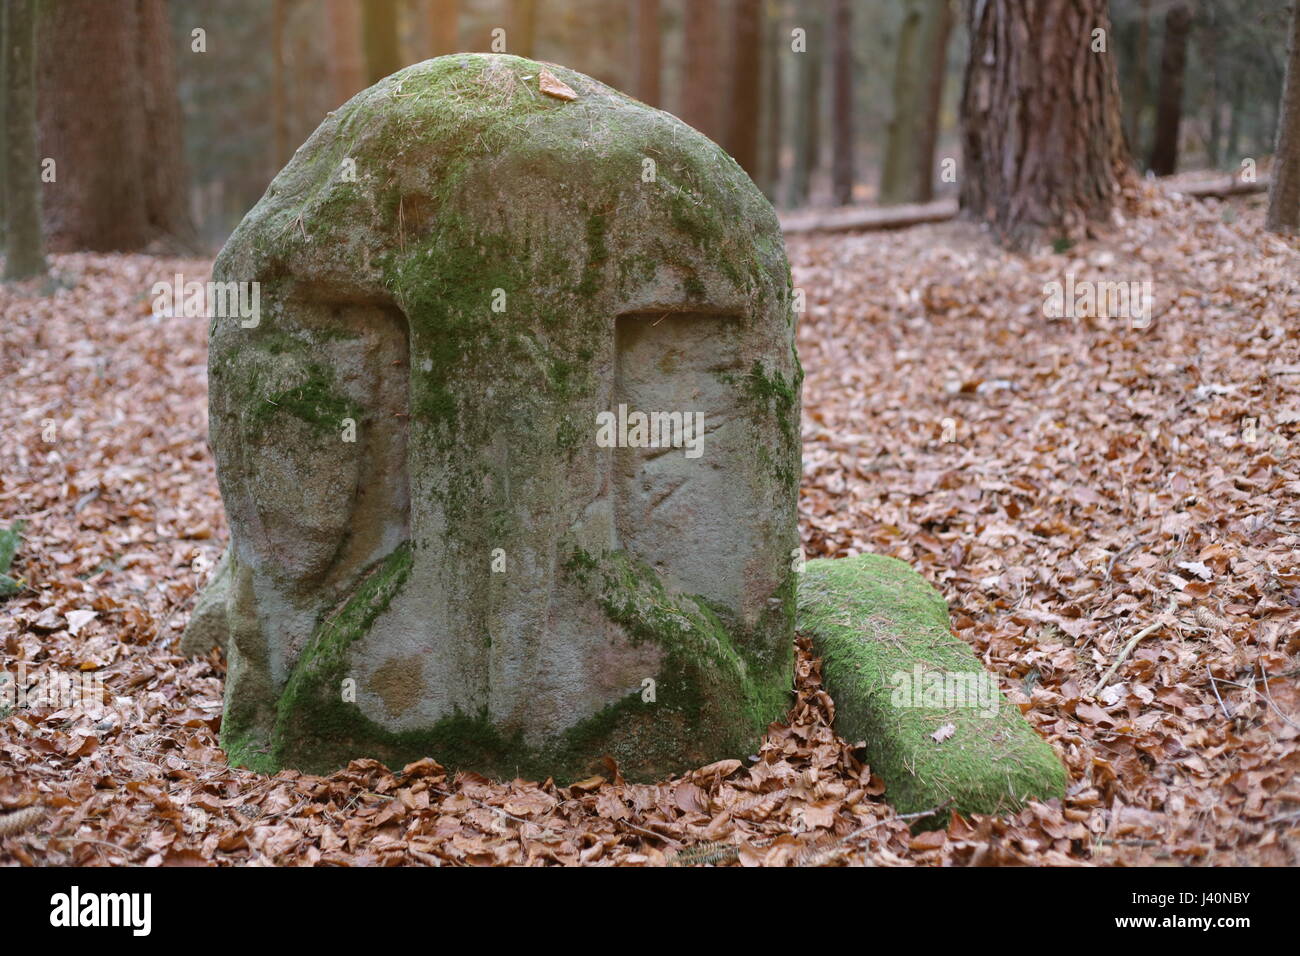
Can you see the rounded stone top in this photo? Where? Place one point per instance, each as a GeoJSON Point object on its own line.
{"type": "Point", "coordinates": [448, 170]}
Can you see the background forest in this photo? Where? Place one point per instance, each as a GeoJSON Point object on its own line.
{"type": "Point", "coordinates": [867, 114]}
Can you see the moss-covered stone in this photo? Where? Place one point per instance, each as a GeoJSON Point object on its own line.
{"type": "Point", "coordinates": [468, 272]}
{"type": "Point", "coordinates": [934, 725]}
{"type": "Point", "coordinates": [208, 626]}
{"type": "Point", "coordinates": [10, 539]}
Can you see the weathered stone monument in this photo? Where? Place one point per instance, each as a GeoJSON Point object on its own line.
{"type": "Point", "coordinates": [510, 456]}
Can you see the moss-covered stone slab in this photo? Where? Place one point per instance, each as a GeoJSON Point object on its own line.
{"type": "Point", "coordinates": [933, 721]}
{"type": "Point", "coordinates": [435, 550]}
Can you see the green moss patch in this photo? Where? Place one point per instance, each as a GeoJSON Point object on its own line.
{"type": "Point", "coordinates": [712, 700]}
{"type": "Point", "coordinates": [10, 538]}
{"type": "Point", "coordinates": [934, 728]}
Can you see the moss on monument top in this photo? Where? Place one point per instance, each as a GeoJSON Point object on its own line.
{"type": "Point", "coordinates": [468, 144]}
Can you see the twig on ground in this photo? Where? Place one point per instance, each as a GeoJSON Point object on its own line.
{"type": "Point", "coordinates": [1128, 648]}
{"type": "Point", "coordinates": [1214, 685]}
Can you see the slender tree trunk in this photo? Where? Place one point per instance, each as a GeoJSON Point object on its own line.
{"type": "Point", "coordinates": [1210, 50]}
{"type": "Point", "coordinates": [646, 32]}
{"type": "Point", "coordinates": [898, 171]}
{"type": "Point", "coordinates": [907, 174]}
{"type": "Point", "coordinates": [121, 181]}
{"type": "Point", "coordinates": [444, 26]}
{"type": "Point", "coordinates": [1234, 121]}
{"type": "Point", "coordinates": [379, 38]}
{"type": "Point", "coordinates": [934, 44]}
{"type": "Point", "coordinates": [279, 96]}
{"type": "Point", "coordinates": [1042, 140]}
{"type": "Point", "coordinates": [773, 112]}
{"type": "Point", "coordinates": [166, 184]}
{"type": "Point", "coordinates": [1135, 101]}
{"type": "Point", "coordinates": [842, 104]}
{"type": "Point", "coordinates": [699, 97]}
{"type": "Point", "coordinates": [522, 37]}
{"type": "Point", "coordinates": [23, 254]}
{"type": "Point", "coordinates": [746, 85]}
{"type": "Point", "coordinates": [1284, 195]}
{"type": "Point", "coordinates": [4, 130]}
{"type": "Point", "coordinates": [345, 27]}
{"type": "Point", "coordinates": [1169, 106]}
{"type": "Point", "coordinates": [805, 119]}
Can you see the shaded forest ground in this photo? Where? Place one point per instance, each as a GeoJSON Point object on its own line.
{"type": "Point", "coordinates": [1099, 479]}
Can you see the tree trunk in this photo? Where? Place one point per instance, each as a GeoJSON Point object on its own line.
{"type": "Point", "coordinates": [805, 118]}
{"type": "Point", "coordinates": [1284, 196]}
{"type": "Point", "coordinates": [523, 27]}
{"type": "Point", "coordinates": [746, 85]}
{"type": "Point", "coordinates": [896, 172]}
{"type": "Point", "coordinates": [279, 98]}
{"type": "Point", "coordinates": [1209, 36]}
{"type": "Point", "coordinates": [699, 97]}
{"type": "Point", "coordinates": [345, 25]}
{"type": "Point", "coordinates": [1042, 140]}
{"type": "Point", "coordinates": [444, 26]}
{"type": "Point", "coordinates": [934, 45]}
{"type": "Point", "coordinates": [1135, 98]}
{"type": "Point", "coordinates": [842, 104]}
{"type": "Point", "coordinates": [22, 185]}
{"type": "Point", "coordinates": [1235, 106]}
{"type": "Point", "coordinates": [1169, 105]}
{"type": "Point", "coordinates": [379, 38]}
{"type": "Point", "coordinates": [646, 31]}
{"type": "Point", "coordinates": [116, 145]}
{"type": "Point", "coordinates": [773, 124]}
{"type": "Point", "coordinates": [4, 130]}
{"type": "Point", "coordinates": [911, 102]}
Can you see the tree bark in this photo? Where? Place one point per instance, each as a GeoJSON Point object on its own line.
{"type": "Point", "coordinates": [745, 84]}
{"type": "Point", "coordinates": [4, 129]}
{"type": "Point", "coordinates": [1042, 140]}
{"type": "Point", "coordinates": [934, 44]}
{"type": "Point", "coordinates": [121, 182]}
{"type": "Point", "coordinates": [379, 37]}
{"type": "Point", "coordinates": [345, 25]}
{"type": "Point", "coordinates": [1169, 104]}
{"type": "Point", "coordinates": [1135, 97]}
{"type": "Point", "coordinates": [24, 257]}
{"type": "Point", "coordinates": [896, 175]}
{"type": "Point", "coordinates": [646, 31]}
{"type": "Point", "coordinates": [773, 108]}
{"type": "Point", "coordinates": [279, 98]}
{"type": "Point", "coordinates": [1284, 196]}
{"type": "Point", "coordinates": [699, 98]}
{"type": "Point", "coordinates": [523, 28]}
{"type": "Point", "coordinates": [444, 26]}
{"type": "Point", "coordinates": [906, 172]}
{"type": "Point", "coordinates": [805, 118]}
{"type": "Point", "coordinates": [842, 104]}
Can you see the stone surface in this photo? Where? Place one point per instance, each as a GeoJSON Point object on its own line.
{"type": "Point", "coordinates": [208, 626]}
{"type": "Point", "coordinates": [632, 263]}
{"type": "Point", "coordinates": [882, 633]}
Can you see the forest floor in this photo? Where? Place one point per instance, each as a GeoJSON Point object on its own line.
{"type": "Point", "coordinates": [1066, 483]}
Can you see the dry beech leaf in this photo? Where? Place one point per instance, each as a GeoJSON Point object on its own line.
{"type": "Point", "coordinates": [551, 85]}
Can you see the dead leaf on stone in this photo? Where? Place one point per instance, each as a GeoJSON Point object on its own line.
{"type": "Point", "coordinates": [551, 85]}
